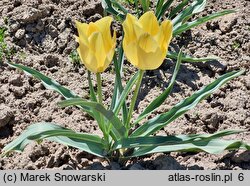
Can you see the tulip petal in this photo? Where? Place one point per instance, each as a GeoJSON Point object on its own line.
{"type": "Point", "coordinates": [128, 27]}
{"type": "Point", "coordinates": [147, 43]}
{"type": "Point", "coordinates": [149, 60]}
{"type": "Point", "coordinates": [92, 29]}
{"type": "Point", "coordinates": [110, 53]}
{"type": "Point", "coordinates": [97, 45]}
{"type": "Point", "coordinates": [149, 23]}
{"type": "Point", "coordinates": [82, 28]}
{"type": "Point", "coordinates": [86, 55]}
{"type": "Point", "coordinates": [131, 52]}
{"type": "Point", "coordinates": [165, 35]}
{"type": "Point", "coordinates": [104, 26]}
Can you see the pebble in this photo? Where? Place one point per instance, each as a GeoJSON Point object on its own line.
{"type": "Point", "coordinates": [16, 80]}
{"type": "Point", "coordinates": [5, 115]}
{"type": "Point", "coordinates": [61, 26]}
{"type": "Point", "coordinates": [14, 27]}
{"type": "Point", "coordinates": [227, 22]}
{"type": "Point", "coordinates": [20, 33]}
{"type": "Point", "coordinates": [211, 120]}
{"type": "Point", "coordinates": [18, 91]}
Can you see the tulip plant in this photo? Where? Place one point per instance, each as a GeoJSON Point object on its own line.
{"type": "Point", "coordinates": [145, 45]}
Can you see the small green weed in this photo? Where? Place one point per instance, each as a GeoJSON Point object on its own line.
{"type": "Point", "coordinates": [235, 45]}
{"type": "Point", "coordinates": [75, 58]}
{"type": "Point", "coordinates": [5, 51]}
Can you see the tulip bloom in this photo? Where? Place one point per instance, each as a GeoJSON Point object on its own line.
{"type": "Point", "coordinates": [96, 45]}
{"type": "Point", "coordinates": [146, 42]}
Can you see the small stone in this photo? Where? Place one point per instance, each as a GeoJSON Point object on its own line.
{"type": "Point", "coordinates": [61, 26]}
{"type": "Point", "coordinates": [5, 115]}
{"type": "Point", "coordinates": [212, 120]}
{"type": "Point", "coordinates": [14, 27]}
{"type": "Point", "coordinates": [20, 33]}
{"type": "Point", "coordinates": [227, 22]}
{"type": "Point", "coordinates": [31, 14]}
{"type": "Point", "coordinates": [18, 91]}
{"type": "Point", "coordinates": [16, 80]}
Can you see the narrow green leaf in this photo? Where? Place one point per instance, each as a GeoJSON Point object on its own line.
{"type": "Point", "coordinates": [212, 146]}
{"type": "Point", "coordinates": [87, 142]}
{"type": "Point", "coordinates": [178, 9]}
{"type": "Point", "coordinates": [119, 6]}
{"type": "Point", "coordinates": [118, 88]}
{"type": "Point", "coordinates": [107, 6]}
{"type": "Point", "coordinates": [149, 141]}
{"type": "Point", "coordinates": [187, 58]}
{"type": "Point", "coordinates": [117, 130]}
{"type": "Point", "coordinates": [196, 7]}
{"type": "Point", "coordinates": [162, 120]}
{"type": "Point", "coordinates": [91, 88]}
{"type": "Point", "coordinates": [161, 98]}
{"type": "Point", "coordinates": [164, 8]}
{"type": "Point", "coordinates": [145, 5]}
{"type": "Point", "coordinates": [186, 26]}
{"type": "Point", "coordinates": [125, 93]}
{"type": "Point", "coordinates": [50, 84]}
{"type": "Point", "coordinates": [159, 6]}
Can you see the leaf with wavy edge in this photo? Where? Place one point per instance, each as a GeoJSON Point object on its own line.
{"type": "Point", "coordinates": [87, 142]}
{"type": "Point", "coordinates": [161, 120]}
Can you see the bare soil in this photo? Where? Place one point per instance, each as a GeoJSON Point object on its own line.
{"type": "Point", "coordinates": [42, 32]}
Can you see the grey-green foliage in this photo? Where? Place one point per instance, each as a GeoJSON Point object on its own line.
{"type": "Point", "coordinates": [126, 143]}
{"type": "Point", "coordinates": [140, 141]}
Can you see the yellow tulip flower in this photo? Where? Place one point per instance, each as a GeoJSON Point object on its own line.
{"type": "Point", "coordinates": [96, 45]}
{"type": "Point", "coordinates": [146, 42]}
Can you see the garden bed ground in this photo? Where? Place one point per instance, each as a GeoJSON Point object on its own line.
{"type": "Point", "coordinates": [42, 33]}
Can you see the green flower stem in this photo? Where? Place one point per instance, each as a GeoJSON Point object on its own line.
{"type": "Point", "coordinates": [134, 98]}
{"type": "Point", "coordinates": [99, 95]}
{"type": "Point", "coordinates": [99, 87]}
